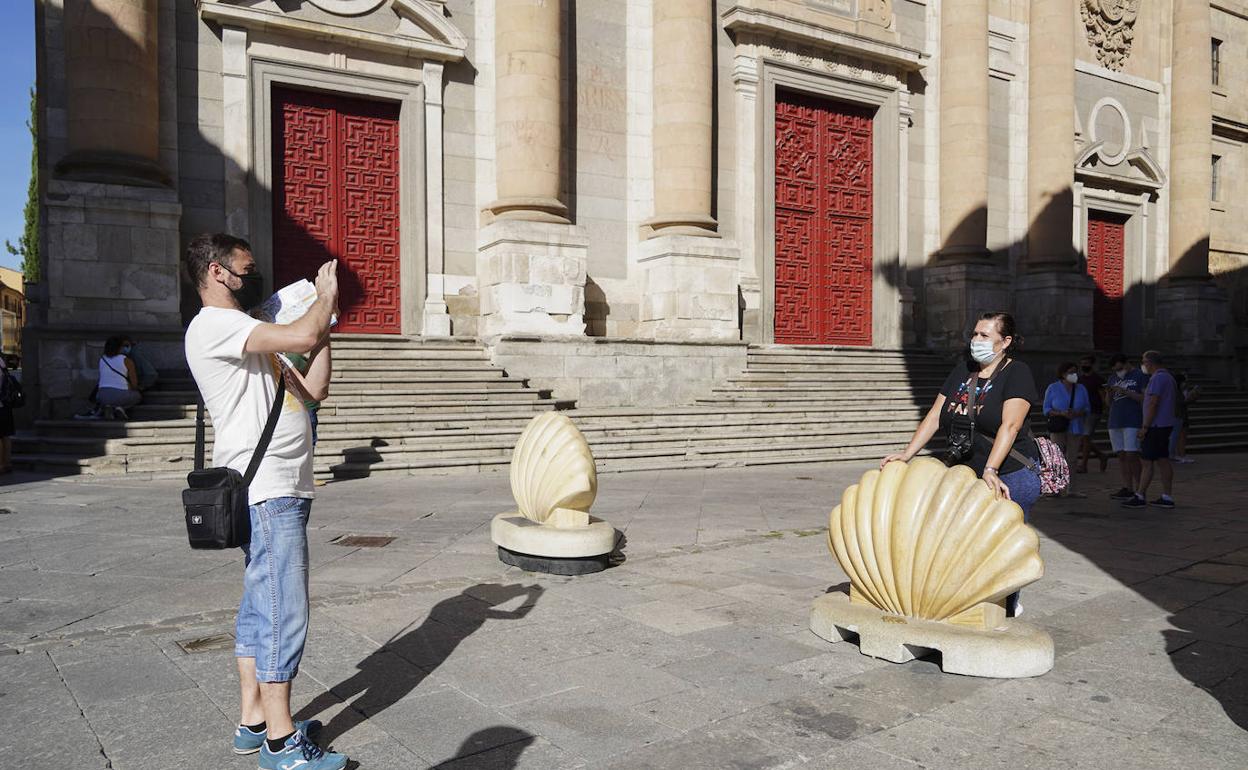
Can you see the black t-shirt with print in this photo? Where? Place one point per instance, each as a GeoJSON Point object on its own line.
{"type": "Point", "coordinates": [1012, 380]}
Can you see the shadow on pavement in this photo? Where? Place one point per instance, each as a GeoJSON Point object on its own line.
{"type": "Point", "coordinates": [399, 666]}
{"type": "Point", "coordinates": [504, 745]}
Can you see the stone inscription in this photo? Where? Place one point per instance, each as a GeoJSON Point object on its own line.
{"type": "Point", "coordinates": [1110, 27]}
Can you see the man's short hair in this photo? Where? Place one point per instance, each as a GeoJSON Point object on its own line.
{"type": "Point", "coordinates": [208, 248]}
{"type": "Point", "coordinates": [1119, 358]}
{"type": "Point", "coordinates": [1153, 357]}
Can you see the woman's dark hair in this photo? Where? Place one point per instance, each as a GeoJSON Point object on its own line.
{"type": "Point", "coordinates": [1065, 367]}
{"type": "Point", "coordinates": [208, 248]}
{"type": "Point", "coordinates": [112, 345]}
{"type": "Point", "coordinates": [1006, 328]}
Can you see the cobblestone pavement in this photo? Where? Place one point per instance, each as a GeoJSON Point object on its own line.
{"type": "Point", "coordinates": [692, 653]}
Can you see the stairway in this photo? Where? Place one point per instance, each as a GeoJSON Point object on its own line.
{"type": "Point", "coordinates": [413, 406]}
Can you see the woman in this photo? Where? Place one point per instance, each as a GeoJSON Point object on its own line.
{"type": "Point", "coordinates": [1005, 393]}
{"type": "Point", "coordinates": [10, 397]}
{"type": "Point", "coordinates": [1066, 406]}
{"type": "Point", "coordinates": [119, 382]}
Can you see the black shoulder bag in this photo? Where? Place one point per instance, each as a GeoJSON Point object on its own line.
{"type": "Point", "coordinates": [216, 498]}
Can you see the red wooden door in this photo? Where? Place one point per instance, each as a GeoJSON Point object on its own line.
{"type": "Point", "coordinates": [336, 195]}
{"type": "Point", "coordinates": [823, 222]}
{"type": "Point", "coordinates": [1106, 247]}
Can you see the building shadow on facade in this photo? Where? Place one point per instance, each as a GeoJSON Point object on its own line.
{"type": "Point", "coordinates": [398, 667]}
{"type": "Point", "coordinates": [1207, 641]}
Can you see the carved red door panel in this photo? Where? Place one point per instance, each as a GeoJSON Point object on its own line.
{"type": "Point", "coordinates": [336, 195]}
{"type": "Point", "coordinates": [823, 222]}
{"type": "Point", "coordinates": [1106, 250]}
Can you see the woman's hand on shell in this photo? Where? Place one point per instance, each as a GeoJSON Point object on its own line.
{"type": "Point", "coordinates": [998, 487]}
{"type": "Point", "coordinates": [891, 458]}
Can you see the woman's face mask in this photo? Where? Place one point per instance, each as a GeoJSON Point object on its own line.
{"type": "Point", "coordinates": [1072, 378]}
{"type": "Point", "coordinates": [982, 351]}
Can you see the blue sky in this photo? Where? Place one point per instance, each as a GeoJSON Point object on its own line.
{"type": "Point", "coordinates": [17, 62]}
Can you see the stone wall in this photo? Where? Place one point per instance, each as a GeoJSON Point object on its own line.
{"type": "Point", "coordinates": [620, 372]}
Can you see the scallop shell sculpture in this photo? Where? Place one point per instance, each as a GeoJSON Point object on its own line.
{"type": "Point", "coordinates": [553, 477]}
{"type": "Point", "coordinates": [925, 541]}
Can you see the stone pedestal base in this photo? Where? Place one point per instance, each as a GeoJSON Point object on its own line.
{"type": "Point", "coordinates": [1193, 317]}
{"type": "Point", "coordinates": [957, 293]}
{"type": "Point", "coordinates": [1013, 651]}
{"type": "Point", "coordinates": [688, 288]}
{"type": "Point", "coordinates": [531, 278]}
{"type": "Point", "coordinates": [1054, 311]}
{"type": "Point", "coordinates": [559, 551]}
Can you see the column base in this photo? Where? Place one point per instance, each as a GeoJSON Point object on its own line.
{"type": "Point", "coordinates": [531, 278]}
{"type": "Point", "coordinates": [957, 293]}
{"type": "Point", "coordinates": [436, 321]}
{"type": "Point", "coordinates": [1054, 311]}
{"type": "Point", "coordinates": [1193, 320]}
{"type": "Point", "coordinates": [689, 289]}
{"type": "Point", "coordinates": [697, 225]}
{"type": "Point", "coordinates": [112, 168]}
{"type": "Point", "coordinates": [549, 210]}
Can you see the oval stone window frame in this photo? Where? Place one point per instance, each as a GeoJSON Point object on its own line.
{"type": "Point", "coordinates": [347, 7]}
{"type": "Point", "coordinates": [1113, 105]}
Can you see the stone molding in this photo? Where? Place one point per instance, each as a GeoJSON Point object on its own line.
{"type": "Point", "coordinates": [815, 41]}
{"type": "Point", "coordinates": [531, 278]}
{"type": "Point", "coordinates": [443, 42]}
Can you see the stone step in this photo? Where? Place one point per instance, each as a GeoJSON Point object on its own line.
{"type": "Point", "coordinates": [356, 354]}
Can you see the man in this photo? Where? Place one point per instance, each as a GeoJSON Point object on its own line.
{"type": "Point", "coordinates": [1126, 415]}
{"type": "Point", "coordinates": [234, 359]}
{"type": "Point", "coordinates": [1095, 386]}
{"type": "Point", "coordinates": [1160, 417]}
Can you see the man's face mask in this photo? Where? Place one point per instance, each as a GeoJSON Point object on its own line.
{"type": "Point", "coordinates": [251, 293]}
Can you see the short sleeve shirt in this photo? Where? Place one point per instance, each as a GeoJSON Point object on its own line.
{"type": "Point", "coordinates": [238, 390]}
{"type": "Point", "coordinates": [1013, 380]}
{"type": "Point", "coordinates": [1124, 411]}
{"type": "Point", "coordinates": [1163, 386]}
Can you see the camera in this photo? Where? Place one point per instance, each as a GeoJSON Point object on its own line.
{"type": "Point", "coordinates": [959, 447]}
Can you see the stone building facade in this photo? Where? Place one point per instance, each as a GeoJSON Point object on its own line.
{"type": "Point", "coordinates": [672, 177]}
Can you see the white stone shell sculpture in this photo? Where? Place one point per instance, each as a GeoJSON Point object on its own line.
{"type": "Point", "coordinates": [553, 477]}
{"type": "Point", "coordinates": [925, 541]}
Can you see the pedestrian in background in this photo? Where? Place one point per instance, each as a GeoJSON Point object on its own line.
{"type": "Point", "coordinates": [1178, 437]}
{"type": "Point", "coordinates": [1066, 407]}
{"type": "Point", "coordinates": [1095, 386]}
{"type": "Point", "coordinates": [1126, 415]}
{"type": "Point", "coordinates": [1161, 399]}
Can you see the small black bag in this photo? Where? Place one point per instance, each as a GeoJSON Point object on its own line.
{"type": "Point", "coordinates": [216, 498]}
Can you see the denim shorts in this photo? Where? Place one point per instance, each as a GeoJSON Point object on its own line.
{"type": "Point", "coordinates": [272, 621]}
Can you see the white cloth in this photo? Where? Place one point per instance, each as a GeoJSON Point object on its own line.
{"type": "Point", "coordinates": [238, 389]}
{"type": "Point", "coordinates": [113, 372]}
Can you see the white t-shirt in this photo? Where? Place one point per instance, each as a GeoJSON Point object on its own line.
{"type": "Point", "coordinates": [113, 372]}
{"type": "Point", "coordinates": [238, 389]}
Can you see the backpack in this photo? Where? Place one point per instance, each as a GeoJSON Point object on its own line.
{"type": "Point", "coordinates": [1052, 469]}
{"type": "Point", "coordinates": [11, 394]}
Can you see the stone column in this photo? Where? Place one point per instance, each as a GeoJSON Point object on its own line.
{"type": "Point", "coordinates": [528, 103]}
{"type": "Point", "coordinates": [961, 280]}
{"type": "Point", "coordinates": [112, 78]}
{"type": "Point", "coordinates": [436, 319]}
{"type": "Point", "coordinates": [531, 261]}
{"type": "Point", "coordinates": [689, 278]}
{"type": "Point", "coordinates": [964, 130]}
{"type": "Point", "coordinates": [1060, 318]}
{"type": "Point", "coordinates": [745, 76]}
{"type": "Point", "coordinates": [683, 120]}
{"type": "Point", "coordinates": [1193, 313]}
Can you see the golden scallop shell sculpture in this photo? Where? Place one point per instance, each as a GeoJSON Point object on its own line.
{"type": "Point", "coordinates": [553, 477]}
{"type": "Point", "coordinates": [925, 541]}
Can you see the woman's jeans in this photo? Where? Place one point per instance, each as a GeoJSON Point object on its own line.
{"type": "Point", "coordinates": [1024, 486]}
{"type": "Point", "coordinates": [272, 621]}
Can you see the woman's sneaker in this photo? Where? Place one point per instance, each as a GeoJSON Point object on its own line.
{"type": "Point", "coordinates": [1163, 502]}
{"type": "Point", "coordinates": [1122, 494]}
{"type": "Point", "coordinates": [299, 753]}
{"type": "Point", "coordinates": [247, 742]}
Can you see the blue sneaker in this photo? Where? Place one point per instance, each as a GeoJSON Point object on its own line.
{"type": "Point", "coordinates": [247, 742]}
{"type": "Point", "coordinates": [299, 753]}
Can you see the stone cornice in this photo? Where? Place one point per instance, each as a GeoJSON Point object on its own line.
{"type": "Point", "coordinates": [739, 19]}
{"type": "Point", "coordinates": [445, 43]}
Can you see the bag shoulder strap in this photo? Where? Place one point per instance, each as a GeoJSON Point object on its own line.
{"type": "Point", "coordinates": [262, 445]}
{"type": "Point", "coordinates": [125, 377]}
{"type": "Point", "coordinates": [199, 434]}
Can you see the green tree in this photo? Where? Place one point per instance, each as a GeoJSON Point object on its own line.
{"type": "Point", "coordinates": [28, 245]}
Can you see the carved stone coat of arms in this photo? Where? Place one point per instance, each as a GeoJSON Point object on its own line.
{"type": "Point", "coordinates": [1110, 26]}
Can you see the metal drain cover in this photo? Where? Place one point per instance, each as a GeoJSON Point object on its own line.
{"type": "Point", "coordinates": [223, 641]}
{"type": "Point", "coordinates": [363, 541]}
